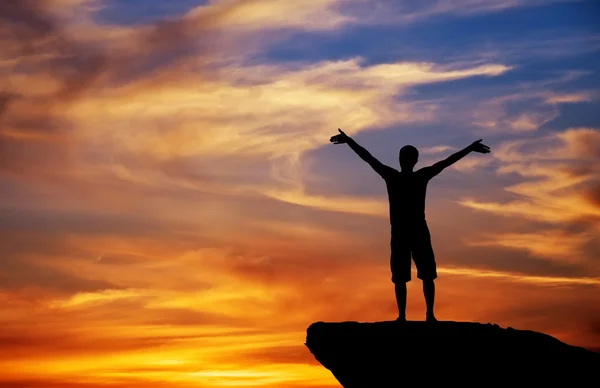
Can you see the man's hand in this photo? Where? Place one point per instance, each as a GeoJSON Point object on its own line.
{"type": "Point", "coordinates": [477, 146]}
{"type": "Point", "coordinates": [339, 139]}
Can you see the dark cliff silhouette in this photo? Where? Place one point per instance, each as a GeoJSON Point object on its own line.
{"type": "Point", "coordinates": [403, 354]}
{"type": "Point", "coordinates": [407, 190]}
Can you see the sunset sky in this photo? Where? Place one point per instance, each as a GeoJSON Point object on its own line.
{"type": "Point", "coordinates": [172, 213]}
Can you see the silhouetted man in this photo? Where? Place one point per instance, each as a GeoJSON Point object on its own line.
{"type": "Point", "coordinates": [410, 235]}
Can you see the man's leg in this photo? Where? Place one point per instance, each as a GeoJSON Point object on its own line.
{"type": "Point", "coordinates": [426, 268]}
{"type": "Point", "coordinates": [429, 292]}
{"type": "Point", "coordinates": [401, 300]}
{"type": "Point", "coordinates": [400, 266]}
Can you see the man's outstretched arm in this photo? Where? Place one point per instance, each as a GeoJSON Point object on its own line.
{"type": "Point", "coordinates": [365, 155]}
{"type": "Point", "coordinates": [476, 146]}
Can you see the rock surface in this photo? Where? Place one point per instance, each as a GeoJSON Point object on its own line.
{"type": "Point", "coordinates": [393, 354]}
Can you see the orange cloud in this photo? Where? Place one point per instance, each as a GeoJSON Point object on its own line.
{"type": "Point", "coordinates": [553, 244]}
{"type": "Point", "coordinates": [557, 189]}
{"type": "Point", "coordinates": [563, 164]}
{"type": "Point", "coordinates": [267, 14]}
{"type": "Point", "coordinates": [180, 337]}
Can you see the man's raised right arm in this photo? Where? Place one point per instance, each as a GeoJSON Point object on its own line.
{"type": "Point", "coordinates": [365, 155]}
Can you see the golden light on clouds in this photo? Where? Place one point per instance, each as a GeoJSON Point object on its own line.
{"type": "Point", "coordinates": [553, 244]}
{"type": "Point", "coordinates": [556, 169]}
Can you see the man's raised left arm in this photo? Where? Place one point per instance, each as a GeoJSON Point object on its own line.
{"type": "Point", "coordinates": [476, 146]}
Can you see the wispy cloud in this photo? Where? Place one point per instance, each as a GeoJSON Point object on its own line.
{"type": "Point", "coordinates": [550, 244]}
{"type": "Point", "coordinates": [519, 277]}
{"type": "Point", "coordinates": [570, 98]}
{"type": "Point", "coordinates": [558, 189]}
{"type": "Point", "coordinates": [409, 12]}
{"type": "Point", "coordinates": [517, 113]}
{"type": "Point", "coordinates": [436, 149]}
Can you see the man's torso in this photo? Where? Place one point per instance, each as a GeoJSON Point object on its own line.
{"type": "Point", "coordinates": [406, 193]}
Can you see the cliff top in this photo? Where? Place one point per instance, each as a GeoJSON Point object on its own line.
{"type": "Point", "coordinates": [386, 354]}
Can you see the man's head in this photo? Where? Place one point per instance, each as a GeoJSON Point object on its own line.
{"type": "Point", "coordinates": [409, 156]}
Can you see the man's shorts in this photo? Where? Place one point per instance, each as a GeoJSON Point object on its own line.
{"type": "Point", "coordinates": [412, 240]}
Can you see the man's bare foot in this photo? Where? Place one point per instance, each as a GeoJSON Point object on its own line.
{"type": "Point", "coordinates": [431, 318]}
{"type": "Point", "coordinates": [401, 319]}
